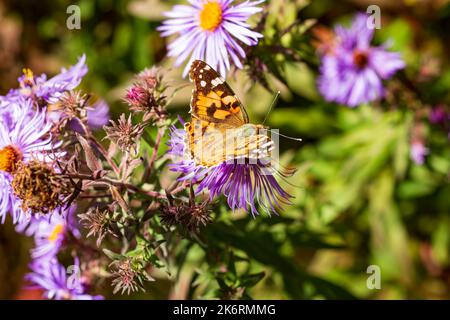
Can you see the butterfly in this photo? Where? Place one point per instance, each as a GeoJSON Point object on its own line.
{"type": "Point", "coordinates": [220, 130]}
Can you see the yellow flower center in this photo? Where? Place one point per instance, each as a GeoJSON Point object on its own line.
{"type": "Point", "coordinates": [210, 16]}
{"type": "Point", "coordinates": [29, 77]}
{"type": "Point", "coordinates": [9, 157]}
{"type": "Point", "coordinates": [56, 232]}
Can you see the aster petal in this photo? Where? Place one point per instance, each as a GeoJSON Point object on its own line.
{"type": "Point", "coordinates": [385, 63]}
{"type": "Point", "coordinates": [181, 11]}
{"type": "Point", "coordinates": [246, 36]}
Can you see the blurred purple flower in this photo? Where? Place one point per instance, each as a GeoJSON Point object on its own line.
{"type": "Point", "coordinates": [353, 70]}
{"type": "Point", "coordinates": [245, 185]}
{"type": "Point", "coordinates": [210, 30]}
{"type": "Point", "coordinates": [418, 152]}
{"type": "Point", "coordinates": [39, 88]}
{"type": "Point", "coordinates": [58, 282]}
{"type": "Point", "coordinates": [439, 115]}
{"type": "Point", "coordinates": [24, 139]}
{"type": "Point", "coordinates": [98, 115]}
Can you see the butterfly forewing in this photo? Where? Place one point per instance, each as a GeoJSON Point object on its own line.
{"type": "Point", "coordinates": [212, 98]}
{"type": "Point", "coordinates": [219, 129]}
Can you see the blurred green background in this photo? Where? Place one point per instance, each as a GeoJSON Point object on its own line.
{"type": "Point", "coordinates": [359, 199]}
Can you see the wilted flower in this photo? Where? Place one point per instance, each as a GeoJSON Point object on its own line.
{"type": "Point", "coordinates": [190, 215]}
{"type": "Point", "coordinates": [39, 188]}
{"type": "Point", "coordinates": [58, 282]}
{"type": "Point", "coordinates": [125, 276]}
{"type": "Point", "coordinates": [73, 105]}
{"type": "Point", "coordinates": [97, 221]}
{"type": "Point", "coordinates": [244, 184]}
{"type": "Point", "coordinates": [151, 77]}
{"type": "Point", "coordinates": [124, 133]}
{"type": "Point", "coordinates": [25, 139]}
{"type": "Point", "coordinates": [352, 70]}
{"type": "Point", "coordinates": [209, 30]}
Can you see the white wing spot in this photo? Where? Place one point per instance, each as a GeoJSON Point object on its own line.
{"type": "Point", "coordinates": [203, 83]}
{"type": "Point", "coordinates": [217, 81]}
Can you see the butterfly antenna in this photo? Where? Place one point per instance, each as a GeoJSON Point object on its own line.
{"type": "Point", "coordinates": [271, 106]}
{"type": "Point", "coordinates": [285, 136]}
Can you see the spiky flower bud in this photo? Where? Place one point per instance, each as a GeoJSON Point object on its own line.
{"type": "Point", "coordinates": [124, 133]}
{"type": "Point", "coordinates": [189, 215]}
{"type": "Point", "coordinates": [147, 95]}
{"type": "Point", "coordinates": [97, 221]}
{"type": "Point", "coordinates": [73, 104]}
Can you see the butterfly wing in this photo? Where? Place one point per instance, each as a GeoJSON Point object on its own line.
{"type": "Point", "coordinates": [210, 146]}
{"type": "Point", "coordinates": [219, 129]}
{"type": "Point", "coordinates": [212, 98]}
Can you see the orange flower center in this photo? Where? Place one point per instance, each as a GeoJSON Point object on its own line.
{"type": "Point", "coordinates": [9, 157]}
{"type": "Point", "coordinates": [56, 232]}
{"type": "Point", "coordinates": [210, 16]}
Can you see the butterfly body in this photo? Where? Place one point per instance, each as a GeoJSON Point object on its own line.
{"type": "Point", "coordinates": [219, 129]}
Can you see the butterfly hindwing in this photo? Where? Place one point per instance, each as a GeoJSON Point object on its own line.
{"type": "Point", "coordinates": [210, 145]}
{"type": "Point", "coordinates": [212, 98]}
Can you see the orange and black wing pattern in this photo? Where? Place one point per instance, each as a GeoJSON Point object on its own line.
{"type": "Point", "coordinates": [212, 98]}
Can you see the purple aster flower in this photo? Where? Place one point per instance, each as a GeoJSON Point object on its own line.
{"type": "Point", "coordinates": [352, 70]}
{"type": "Point", "coordinates": [418, 152]}
{"type": "Point", "coordinates": [244, 184]}
{"type": "Point", "coordinates": [209, 30]}
{"type": "Point", "coordinates": [58, 282]}
{"type": "Point", "coordinates": [50, 235]}
{"type": "Point", "coordinates": [49, 90]}
{"type": "Point", "coordinates": [23, 139]}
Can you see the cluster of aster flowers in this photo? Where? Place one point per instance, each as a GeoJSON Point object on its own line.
{"type": "Point", "coordinates": [32, 191]}
{"type": "Point", "coordinates": [45, 168]}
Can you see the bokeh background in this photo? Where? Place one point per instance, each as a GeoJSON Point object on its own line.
{"type": "Point", "coordinates": [359, 199]}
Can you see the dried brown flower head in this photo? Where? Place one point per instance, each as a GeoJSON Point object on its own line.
{"type": "Point", "coordinates": [124, 133]}
{"type": "Point", "coordinates": [97, 221]}
{"type": "Point", "coordinates": [152, 77]}
{"type": "Point", "coordinates": [73, 104]}
{"type": "Point", "coordinates": [125, 276]}
{"type": "Point", "coordinates": [189, 215]}
{"type": "Point", "coordinates": [39, 187]}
